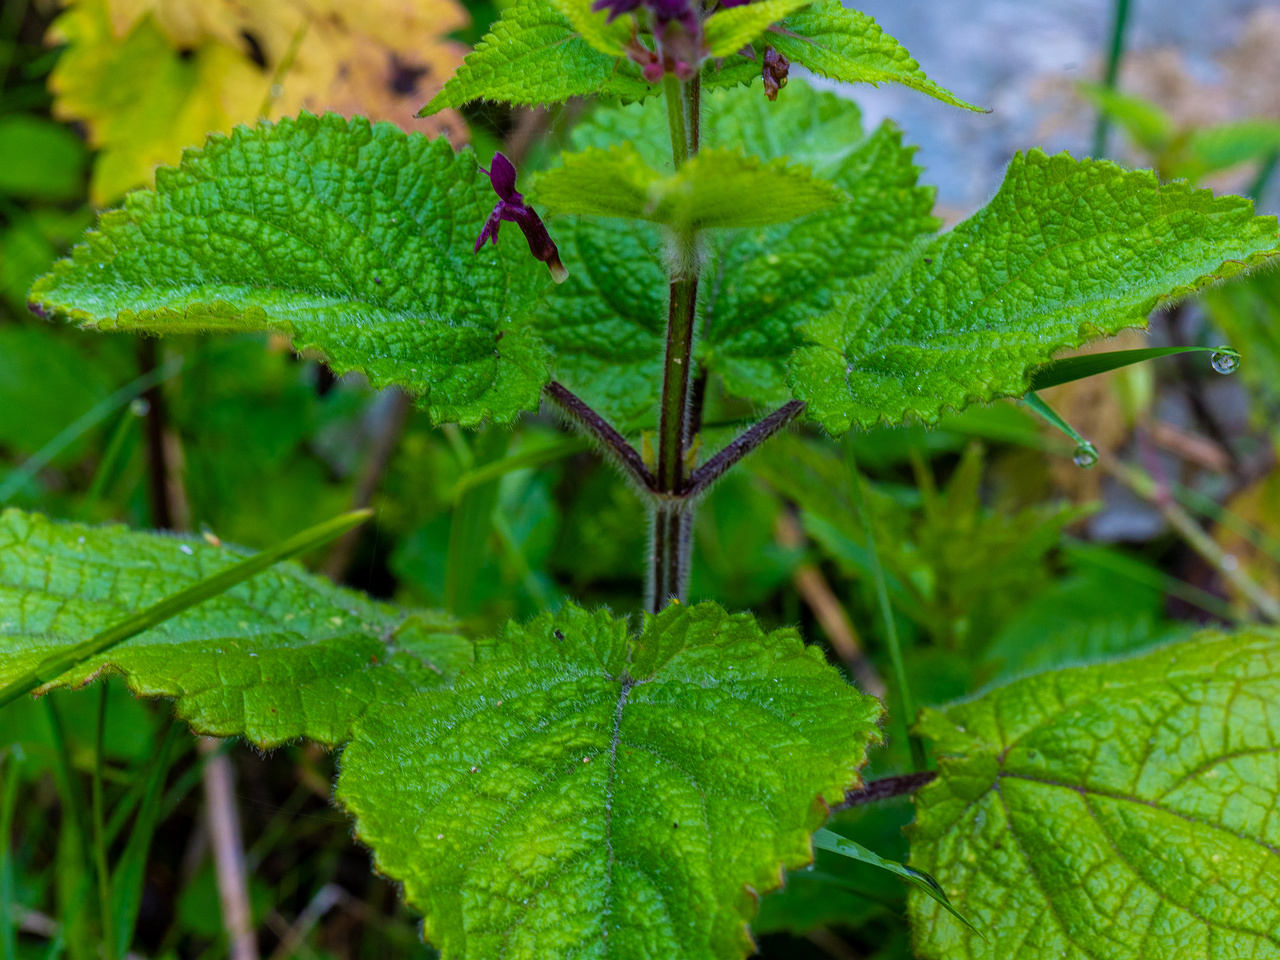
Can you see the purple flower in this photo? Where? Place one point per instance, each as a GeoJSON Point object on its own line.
{"type": "Point", "coordinates": [512, 208]}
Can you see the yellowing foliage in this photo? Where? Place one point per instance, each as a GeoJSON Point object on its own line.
{"type": "Point", "coordinates": [150, 77]}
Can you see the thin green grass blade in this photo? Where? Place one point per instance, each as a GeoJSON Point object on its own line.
{"type": "Point", "coordinates": [918, 759]}
{"type": "Point", "coordinates": [826, 839]}
{"type": "Point", "coordinates": [83, 424]}
{"type": "Point", "coordinates": [8, 936]}
{"type": "Point", "coordinates": [1090, 365]}
{"type": "Point", "coordinates": [1086, 452]}
{"type": "Point", "coordinates": [529, 458]}
{"type": "Point", "coordinates": [57, 664]}
{"type": "Point", "coordinates": [130, 869]}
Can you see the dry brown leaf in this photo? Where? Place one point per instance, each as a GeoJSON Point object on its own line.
{"type": "Point", "coordinates": [150, 77]}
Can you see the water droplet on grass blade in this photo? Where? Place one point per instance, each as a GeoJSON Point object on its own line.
{"type": "Point", "coordinates": [1086, 455]}
{"type": "Point", "coordinates": [1225, 360]}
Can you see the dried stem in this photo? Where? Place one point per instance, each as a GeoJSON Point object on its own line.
{"type": "Point", "coordinates": [228, 851]}
{"type": "Point", "coordinates": [830, 613]}
{"type": "Point", "coordinates": [886, 788]}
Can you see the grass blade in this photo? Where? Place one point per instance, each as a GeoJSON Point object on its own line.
{"type": "Point", "coordinates": [1077, 368]}
{"type": "Point", "coordinates": [57, 664]}
{"type": "Point", "coordinates": [828, 840]}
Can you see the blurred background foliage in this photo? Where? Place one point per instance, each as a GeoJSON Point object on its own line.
{"type": "Point", "coordinates": [1002, 557]}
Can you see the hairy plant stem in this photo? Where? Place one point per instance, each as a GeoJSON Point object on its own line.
{"type": "Point", "coordinates": [672, 518]}
{"type": "Point", "coordinates": [885, 788]}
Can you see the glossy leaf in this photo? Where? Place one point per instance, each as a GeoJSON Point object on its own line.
{"type": "Point", "coordinates": [353, 239]}
{"type": "Point", "coordinates": [828, 840]}
{"type": "Point", "coordinates": [579, 792]}
{"type": "Point", "coordinates": [533, 55]}
{"type": "Point", "coordinates": [1065, 253]}
{"type": "Point", "coordinates": [1124, 810]}
{"type": "Point", "coordinates": [718, 188]}
{"type": "Point", "coordinates": [282, 656]}
{"type": "Point", "coordinates": [1091, 364]}
{"type": "Point", "coordinates": [848, 45]}
{"type": "Point", "coordinates": [606, 323]}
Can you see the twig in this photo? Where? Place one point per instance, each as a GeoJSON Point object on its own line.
{"type": "Point", "coordinates": [1203, 544]}
{"type": "Point", "coordinates": [830, 613]}
{"type": "Point", "coordinates": [711, 471]}
{"type": "Point", "coordinates": [325, 899]}
{"type": "Point", "coordinates": [228, 851]}
{"type": "Point", "coordinates": [597, 428]}
{"type": "Point", "coordinates": [885, 788]}
{"type": "Point", "coordinates": [386, 437]}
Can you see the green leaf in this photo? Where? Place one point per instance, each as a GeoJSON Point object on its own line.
{"type": "Point", "coordinates": [1124, 810]}
{"type": "Point", "coordinates": [1150, 127]}
{"type": "Point", "coordinates": [849, 46]}
{"type": "Point", "coordinates": [1225, 146]}
{"type": "Point", "coordinates": [579, 792]}
{"type": "Point", "coordinates": [39, 159]}
{"type": "Point", "coordinates": [284, 655]}
{"type": "Point", "coordinates": [592, 26]}
{"type": "Point", "coordinates": [1065, 253]}
{"type": "Point", "coordinates": [535, 55]}
{"type": "Point", "coordinates": [606, 322]}
{"type": "Point", "coordinates": [827, 840]}
{"type": "Point", "coordinates": [717, 188]}
{"type": "Point", "coordinates": [1069, 369]}
{"type": "Point", "coordinates": [353, 239]}
{"type": "Point", "coordinates": [730, 30]}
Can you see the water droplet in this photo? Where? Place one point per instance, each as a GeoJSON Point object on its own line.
{"type": "Point", "coordinates": [1225, 360]}
{"type": "Point", "coordinates": [139, 407]}
{"type": "Point", "coordinates": [1086, 455]}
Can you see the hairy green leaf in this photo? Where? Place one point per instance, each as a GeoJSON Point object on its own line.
{"type": "Point", "coordinates": [536, 55]}
{"type": "Point", "coordinates": [606, 322]}
{"type": "Point", "coordinates": [583, 793]}
{"type": "Point", "coordinates": [283, 655]}
{"type": "Point", "coordinates": [353, 239]}
{"type": "Point", "coordinates": [848, 45]}
{"type": "Point", "coordinates": [1066, 252]}
{"type": "Point", "coordinates": [593, 26]}
{"type": "Point", "coordinates": [730, 30]}
{"type": "Point", "coordinates": [1124, 810]}
{"type": "Point", "coordinates": [707, 192]}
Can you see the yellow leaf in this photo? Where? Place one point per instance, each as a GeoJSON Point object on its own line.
{"type": "Point", "coordinates": [150, 77]}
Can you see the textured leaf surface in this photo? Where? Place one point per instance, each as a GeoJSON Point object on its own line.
{"type": "Point", "coordinates": [534, 55]}
{"type": "Point", "coordinates": [281, 656]}
{"type": "Point", "coordinates": [1124, 811]}
{"type": "Point", "coordinates": [580, 794]}
{"type": "Point", "coordinates": [355, 240]}
{"type": "Point", "coordinates": [707, 192]}
{"type": "Point", "coordinates": [1066, 252]}
{"type": "Point", "coordinates": [850, 46]}
{"type": "Point", "coordinates": [607, 321]}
